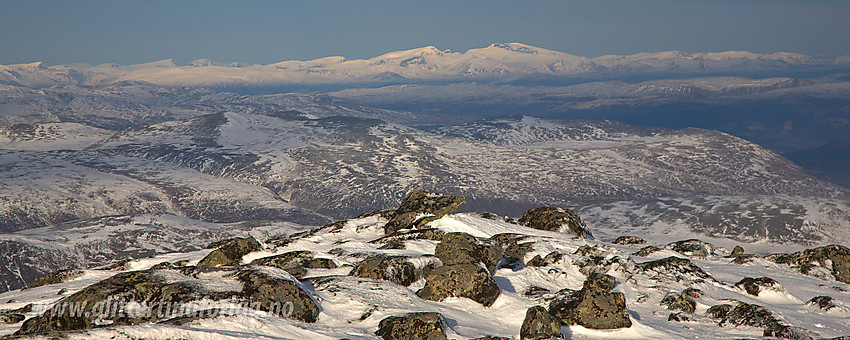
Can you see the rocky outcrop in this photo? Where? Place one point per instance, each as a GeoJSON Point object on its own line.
{"type": "Point", "coordinates": [679, 302]}
{"type": "Point", "coordinates": [460, 280]}
{"type": "Point", "coordinates": [594, 306]}
{"type": "Point", "coordinates": [164, 292]}
{"type": "Point", "coordinates": [458, 248]}
{"type": "Point", "coordinates": [539, 324]}
{"type": "Point", "coordinates": [555, 219]}
{"type": "Point", "coordinates": [745, 314]}
{"type": "Point", "coordinates": [834, 258]}
{"type": "Point", "coordinates": [420, 207]}
{"type": "Point", "coordinates": [645, 251]}
{"type": "Point", "coordinates": [424, 326]}
{"type": "Point", "coordinates": [397, 269]}
{"type": "Point", "coordinates": [692, 247]}
{"type": "Point", "coordinates": [822, 302]}
{"type": "Point", "coordinates": [674, 268]}
{"type": "Point", "coordinates": [58, 276]}
{"type": "Point", "coordinates": [628, 240]}
{"type": "Point", "coordinates": [295, 262]}
{"type": "Point", "coordinates": [231, 253]}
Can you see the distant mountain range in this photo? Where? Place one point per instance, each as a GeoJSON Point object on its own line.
{"type": "Point", "coordinates": [503, 61]}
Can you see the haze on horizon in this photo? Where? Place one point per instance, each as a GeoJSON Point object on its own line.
{"type": "Point", "coordinates": [132, 32]}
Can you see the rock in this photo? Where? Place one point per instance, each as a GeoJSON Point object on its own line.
{"type": "Point", "coordinates": [823, 302]}
{"type": "Point", "coordinates": [535, 292]}
{"type": "Point", "coordinates": [755, 286]}
{"type": "Point", "coordinates": [743, 258]}
{"type": "Point", "coordinates": [417, 203]}
{"type": "Point", "coordinates": [219, 243]}
{"type": "Point", "coordinates": [58, 276]}
{"type": "Point", "coordinates": [834, 258]}
{"type": "Point", "coordinates": [597, 260]}
{"type": "Point", "coordinates": [103, 303]}
{"type": "Point", "coordinates": [738, 250]}
{"type": "Point", "coordinates": [692, 292]}
{"type": "Point", "coordinates": [120, 265]}
{"type": "Point", "coordinates": [555, 219]}
{"type": "Point", "coordinates": [539, 324]}
{"type": "Point", "coordinates": [718, 311]}
{"type": "Point", "coordinates": [594, 306]}
{"type": "Point", "coordinates": [460, 280]}
{"type": "Point", "coordinates": [162, 265]}
{"type": "Point", "coordinates": [745, 314]}
{"type": "Point", "coordinates": [397, 269]}
{"type": "Point", "coordinates": [679, 302]}
{"type": "Point", "coordinates": [645, 251]}
{"type": "Point", "coordinates": [536, 261]}
{"type": "Point", "coordinates": [678, 317]}
{"type": "Point", "coordinates": [12, 318]}
{"type": "Point", "coordinates": [790, 332]}
{"type": "Point", "coordinates": [692, 247]}
{"type": "Point", "coordinates": [231, 253]}
{"type": "Point", "coordinates": [295, 262]}
{"type": "Point", "coordinates": [423, 325]}
{"type": "Point", "coordinates": [629, 240]}
{"type": "Point", "coordinates": [675, 268]}
{"type": "Point", "coordinates": [457, 248]}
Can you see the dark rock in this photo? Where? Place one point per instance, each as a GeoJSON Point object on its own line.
{"type": "Point", "coordinates": [823, 302]}
{"type": "Point", "coordinates": [460, 280]}
{"type": "Point", "coordinates": [555, 219]}
{"type": "Point", "coordinates": [419, 202]}
{"type": "Point", "coordinates": [278, 295]}
{"type": "Point", "coordinates": [597, 260]}
{"type": "Point", "coordinates": [738, 250]}
{"type": "Point", "coordinates": [692, 247]}
{"type": "Point", "coordinates": [457, 248]}
{"type": "Point", "coordinates": [718, 311]}
{"type": "Point", "coordinates": [645, 251]}
{"type": "Point", "coordinates": [594, 306]}
{"type": "Point", "coordinates": [536, 261]}
{"type": "Point", "coordinates": [535, 292]}
{"type": "Point", "coordinates": [692, 292]}
{"type": "Point", "coordinates": [62, 291]}
{"type": "Point", "coordinates": [231, 253]}
{"type": "Point", "coordinates": [181, 263]}
{"type": "Point", "coordinates": [679, 302]}
{"type": "Point", "coordinates": [755, 286]}
{"type": "Point", "coordinates": [490, 337]}
{"type": "Point", "coordinates": [678, 317]}
{"type": "Point", "coordinates": [745, 314]}
{"type": "Point", "coordinates": [834, 258]}
{"type": "Point", "coordinates": [396, 269]}
{"type": "Point", "coordinates": [12, 317]}
{"type": "Point", "coordinates": [539, 324]}
{"type": "Point", "coordinates": [675, 268]}
{"type": "Point", "coordinates": [743, 258]}
{"type": "Point", "coordinates": [790, 332]}
{"type": "Point", "coordinates": [120, 265]}
{"type": "Point", "coordinates": [162, 265]}
{"type": "Point", "coordinates": [295, 262]}
{"type": "Point", "coordinates": [58, 276]}
{"type": "Point", "coordinates": [628, 240]}
{"type": "Point", "coordinates": [423, 326]}
{"type": "Point", "coordinates": [393, 244]}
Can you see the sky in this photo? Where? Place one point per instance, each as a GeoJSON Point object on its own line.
{"type": "Point", "coordinates": [250, 32]}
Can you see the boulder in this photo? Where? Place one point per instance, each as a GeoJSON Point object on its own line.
{"type": "Point", "coordinates": [645, 251]}
{"type": "Point", "coordinates": [58, 276]}
{"type": "Point", "coordinates": [674, 268]}
{"type": "Point", "coordinates": [231, 253]}
{"type": "Point", "coordinates": [834, 258]}
{"type": "Point", "coordinates": [421, 326]}
{"type": "Point", "coordinates": [555, 219]}
{"type": "Point", "coordinates": [738, 250]}
{"type": "Point", "coordinates": [275, 291]}
{"type": "Point", "coordinates": [397, 269]}
{"type": "Point", "coordinates": [594, 306]}
{"type": "Point", "coordinates": [822, 302]}
{"type": "Point", "coordinates": [420, 207]}
{"type": "Point", "coordinates": [678, 317]}
{"type": "Point", "coordinates": [692, 247]}
{"type": "Point", "coordinates": [457, 248]}
{"type": "Point", "coordinates": [295, 262]}
{"type": "Point", "coordinates": [755, 286]}
{"type": "Point", "coordinates": [629, 240]}
{"type": "Point", "coordinates": [680, 302]}
{"type": "Point", "coordinates": [460, 280]}
{"type": "Point", "coordinates": [539, 324]}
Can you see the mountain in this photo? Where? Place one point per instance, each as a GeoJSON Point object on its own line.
{"type": "Point", "coordinates": [497, 61]}
{"type": "Point", "coordinates": [830, 161]}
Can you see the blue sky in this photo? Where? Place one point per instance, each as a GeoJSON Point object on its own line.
{"type": "Point", "coordinates": [129, 32]}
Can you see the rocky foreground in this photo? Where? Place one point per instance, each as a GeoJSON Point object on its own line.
{"type": "Point", "coordinates": [422, 271]}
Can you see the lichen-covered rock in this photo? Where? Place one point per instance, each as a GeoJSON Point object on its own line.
{"type": "Point", "coordinates": [58, 276]}
{"type": "Point", "coordinates": [539, 324]}
{"type": "Point", "coordinates": [674, 268]}
{"type": "Point", "coordinates": [645, 251]}
{"type": "Point", "coordinates": [555, 219]}
{"type": "Point", "coordinates": [745, 314]}
{"type": "Point", "coordinates": [397, 238]}
{"type": "Point", "coordinates": [822, 302]}
{"type": "Point", "coordinates": [295, 262]}
{"type": "Point", "coordinates": [629, 240]}
{"type": "Point", "coordinates": [680, 302]}
{"type": "Point", "coordinates": [834, 258]}
{"type": "Point", "coordinates": [391, 268]}
{"type": "Point", "coordinates": [692, 247]}
{"type": "Point", "coordinates": [594, 306]}
{"type": "Point", "coordinates": [457, 248]}
{"type": "Point", "coordinates": [738, 250]}
{"type": "Point", "coordinates": [718, 311]}
{"type": "Point", "coordinates": [231, 253]}
{"type": "Point", "coordinates": [754, 286]}
{"type": "Point", "coordinates": [420, 207]}
{"type": "Point", "coordinates": [105, 303]}
{"type": "Point", "coordinates": [460, 280]}
{"type": "Point", "coordinates": [421, 326]}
